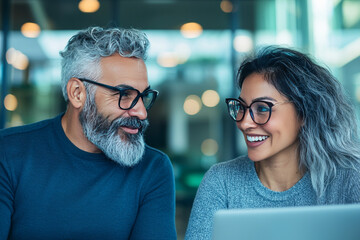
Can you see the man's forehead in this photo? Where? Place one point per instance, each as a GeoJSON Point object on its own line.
{"type": "Point", "coordinates": [118, 70]}
{"type": "Point", "coordinates": [141, 64]}
{"type": "Point", "coordinates": [136, 63]}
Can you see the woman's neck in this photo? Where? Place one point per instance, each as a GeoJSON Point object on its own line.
{"type": "Point", "coordinates": [279, 176]}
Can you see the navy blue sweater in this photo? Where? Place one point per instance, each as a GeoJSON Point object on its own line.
{"type": "Point", "coordinates": [50, 189]}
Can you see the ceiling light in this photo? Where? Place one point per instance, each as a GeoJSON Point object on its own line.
{"type": "Point", "coordinates": [89, 6]}
{"type": "Point", "coordinates": [191, 30]}
{"type": "Point", "coordinates": [30, 30]}
{"type": "Point", "coordinates": [226, 6]}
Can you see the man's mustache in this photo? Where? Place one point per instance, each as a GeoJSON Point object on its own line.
{"type": "Point", "coordinates": [131, 122]}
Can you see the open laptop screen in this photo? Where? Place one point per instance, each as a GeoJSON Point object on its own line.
{"type": "Point", "coordinates": [331, 222]}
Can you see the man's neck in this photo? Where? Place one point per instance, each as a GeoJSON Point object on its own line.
{"type": "Point", "coordinates": [73, 130]}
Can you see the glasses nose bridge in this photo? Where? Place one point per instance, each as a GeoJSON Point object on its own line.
{"type": "Point", "coordinates": [136, 99]}
{"type": "Point", "coordinates": [141, 95]}
{"type": "Point", "coordinates": [251, 113]}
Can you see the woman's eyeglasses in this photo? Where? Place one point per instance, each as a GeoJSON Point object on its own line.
{"type": "Point", "coordinates": [128, 96]}
{"type": "Point", "coordinates": [260, 111]}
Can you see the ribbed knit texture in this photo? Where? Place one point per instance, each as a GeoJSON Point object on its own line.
{"type": "Point", "coordinates": [235, 184]}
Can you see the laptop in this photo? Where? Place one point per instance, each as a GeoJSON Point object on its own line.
{"type": "Point", "coordinates": [330, 222]}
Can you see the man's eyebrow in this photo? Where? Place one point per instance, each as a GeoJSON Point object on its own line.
{"type": "Point", "coordinates": [123, 86]}
{"type": "Point", "coordinates": [129, 87]}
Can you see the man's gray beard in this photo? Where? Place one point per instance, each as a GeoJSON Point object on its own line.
{"type": "Point", "coordinates": [123, 148]}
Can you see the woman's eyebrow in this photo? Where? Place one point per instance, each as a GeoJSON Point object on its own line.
{"type": "Point", "coordinates": [242, 100]}
{"type": "Point", "coordinates": [265, 98]}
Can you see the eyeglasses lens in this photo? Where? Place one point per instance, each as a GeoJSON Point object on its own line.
{"type": "Point", "coordinates": [148, 99]}
{"type": "Point", "coordinates": [130, 95]}
{"type": "Point", "coordinates": [261, 112]}
{"type": "Point", "coordinates": [236, 110]}
{"type": "Point", "coordinates": [127, 97]}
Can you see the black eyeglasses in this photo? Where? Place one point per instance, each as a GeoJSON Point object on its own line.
{"type": "Point", "coordinates": [128, 96]}
{"type": "Point", "coordinates": [260, 111]}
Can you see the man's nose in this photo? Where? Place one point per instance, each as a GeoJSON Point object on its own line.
{"type": "Point", "coordinates": [138, 110]}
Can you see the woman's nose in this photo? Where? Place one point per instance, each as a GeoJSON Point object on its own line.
{"type": "Point", "coordinates": [246, 122]}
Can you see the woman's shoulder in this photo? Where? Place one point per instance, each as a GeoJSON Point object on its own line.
{"type": "Point", "coordinates": [346, 184]}
{"type": "Point", "coordinates": [349, 172]}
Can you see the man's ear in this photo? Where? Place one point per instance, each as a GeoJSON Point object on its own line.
{"type": "Point", "coordinates": [76, 92]}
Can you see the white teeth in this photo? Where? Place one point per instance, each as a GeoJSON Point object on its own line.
{"type": "Point", "coordinates": [256, 139]}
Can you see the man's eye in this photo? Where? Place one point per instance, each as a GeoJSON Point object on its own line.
{"type": "Point", "coordinates": [125, 94]}
{"type": "Point", "coordinates": [128, 93]}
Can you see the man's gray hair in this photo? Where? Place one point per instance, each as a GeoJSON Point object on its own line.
{"type": "Point", "coordinates": [81, 57]}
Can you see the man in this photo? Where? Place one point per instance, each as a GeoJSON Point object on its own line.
{"type": "Point", "coordinates": [87, 174]}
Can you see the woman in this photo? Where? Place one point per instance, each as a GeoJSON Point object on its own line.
{"type": "Point", "coordinates": [302, 141]}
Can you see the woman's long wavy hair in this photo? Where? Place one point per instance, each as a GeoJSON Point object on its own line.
{"type": "Point", "coordinates": [328, 137]}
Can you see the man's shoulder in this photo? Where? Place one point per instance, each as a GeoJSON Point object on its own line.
{"type": "Point", "coordinates": [151, 152]}
{"type": "Point", "coordinates": [155, 159]}
{"type": "Point", "coordinates": [20, 131]}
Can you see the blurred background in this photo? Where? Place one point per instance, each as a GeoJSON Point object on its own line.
{"type": "Point", "coordinates": [196, 47]}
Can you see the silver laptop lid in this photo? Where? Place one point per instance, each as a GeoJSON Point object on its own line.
{"type": "Point", "coordinates": [331, 222]}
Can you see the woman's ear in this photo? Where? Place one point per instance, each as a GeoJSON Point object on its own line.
{"type": "Point", "coordinates": [76, 92]}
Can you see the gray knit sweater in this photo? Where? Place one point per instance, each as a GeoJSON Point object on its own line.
{"type": "Point", "coordinates": [235, 184]}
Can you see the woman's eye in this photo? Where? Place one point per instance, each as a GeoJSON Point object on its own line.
{"type": "Point", "coordinates": [262, 108]}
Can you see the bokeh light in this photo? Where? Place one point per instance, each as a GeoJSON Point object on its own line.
{"type": "Point", "coordinates": [192, 105]}
{"type": "Point", "coordinates": [30, 30]}
{"type": "Point", "coordinates": [191, 30]}
{"type": "Point", "coordinates": [10, 102]}
{"type": "Point", "coordinates": [243, 44]}
{"type": "Point", "coordinates": [89, 6]}
{"type": "Point", "coordinates": [17, 59]}
{"type": "Point", "coordinates": [226, 6]}
{"type": "Point", "coordinates": [168, 59]}
{"type": "Point", "coordinates": [209, 147]}
{"type": "Point", "coordinates": [210, 98]}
